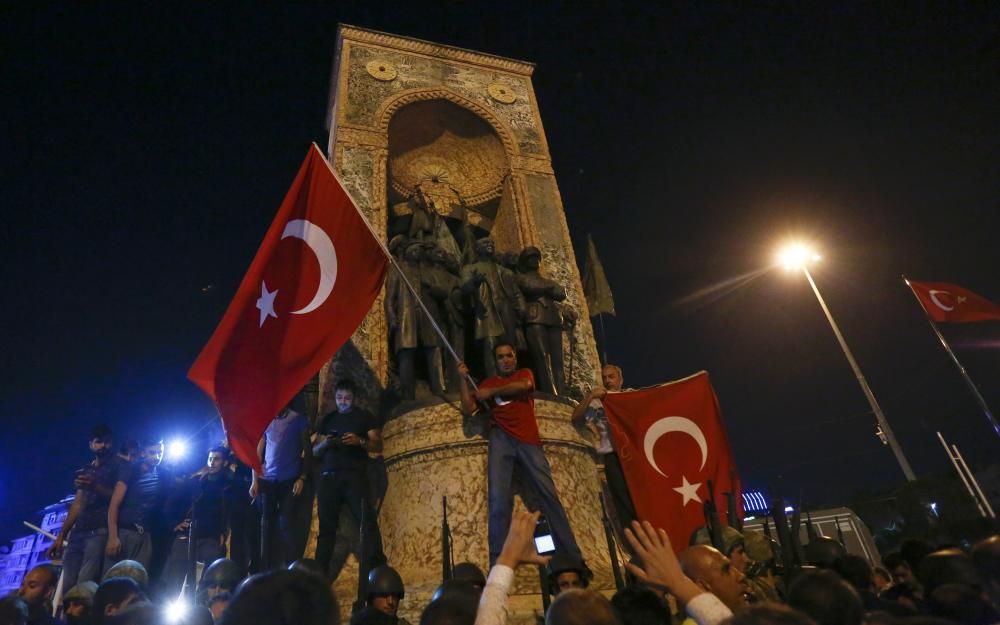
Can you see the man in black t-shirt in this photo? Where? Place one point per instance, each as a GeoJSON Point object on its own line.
{"type": "Point", "coordinates": [343, 440]}
{"type": "Point", "coordinates": [203, 502]}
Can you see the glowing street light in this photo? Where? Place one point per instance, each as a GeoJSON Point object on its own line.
{"type": "Point", "coordinates": [798, 256]}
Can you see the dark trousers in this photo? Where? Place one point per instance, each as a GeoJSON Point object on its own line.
{"type": "Point", "coordinates": [351, 488]}
{"type": "Point", "coordinates": [506, 453]}
{"type": "Point", "coordinates": [179, 565]}
{"type": "Point", "coordinates": [244, 541]}
{"type": "Point", "coordinates": [618, 489]}
{"type": "Point", "coordinates": [277, 524]}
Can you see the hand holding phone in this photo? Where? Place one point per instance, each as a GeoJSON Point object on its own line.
{"type": "Point", "coordinates": [544, 544]}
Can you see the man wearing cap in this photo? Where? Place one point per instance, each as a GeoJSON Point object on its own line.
{"type": "Point", "coordinates": [78, 602]}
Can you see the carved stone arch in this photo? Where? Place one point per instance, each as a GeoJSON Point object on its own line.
{"type": "Point", "coordinates": [391, 105]}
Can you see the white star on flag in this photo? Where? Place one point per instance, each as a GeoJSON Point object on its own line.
{"type": "Point", "coordinates": [688, 491]}
{"type": "Point", "coordinates": [265, 303]}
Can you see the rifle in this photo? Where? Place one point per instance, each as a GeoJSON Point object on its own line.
{"type": "Point", "coordinates": [712, 522]}
{"type": "Point", "coordinates": [362, 563]}
{"type": "Point", "coordinates": [446, 564]}
{"type": "Point", "coordinates": [612, 552]}
{"type": "Point", "coordinates": [789, 559]}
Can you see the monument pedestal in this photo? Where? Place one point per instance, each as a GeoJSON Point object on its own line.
{"type": "Point", "coordinates": [432, 452]}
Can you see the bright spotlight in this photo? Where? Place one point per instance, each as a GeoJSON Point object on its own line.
{"type": "Point", "coordinates": [796, 256]}
{"type": "Point", "coordinates": [176, 610]}
{"type": "Point", "coordinates": [177, 449]}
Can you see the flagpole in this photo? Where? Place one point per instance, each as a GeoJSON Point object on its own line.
{"type": "Point", "coordinates": [399, 270]}
{"type": "Point", "coordinates": [879, 416]}
{"type": "Point", "coordinates": [961, 369]}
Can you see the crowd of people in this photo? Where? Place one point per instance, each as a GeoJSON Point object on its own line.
{"type": "Point", "coordinates": [225, 544]}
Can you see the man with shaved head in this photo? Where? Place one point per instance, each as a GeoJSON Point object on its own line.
{"type": "Point", "coordinates": [709, 569]}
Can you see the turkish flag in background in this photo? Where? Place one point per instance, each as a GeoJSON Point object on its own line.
{"type": "Point", "coordinates": [950, 303]}
{"type": "Point", "coordinates": [314, 278]}
{"type": "Point", "coordinates": [671, 441]}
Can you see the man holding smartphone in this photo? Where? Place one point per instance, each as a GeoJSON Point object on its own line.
{"type": "Point", "coordinates": [88, 515]}
{"type": "Point", "coordinates": [515, 441]}
{"type": "Point", "coordinates": [343, 440]}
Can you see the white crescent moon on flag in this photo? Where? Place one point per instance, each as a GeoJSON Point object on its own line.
{"type": "Point", "coordinates": [321, 245]}
{"type": "Point", "coordinates": [937, 302]}
{"type": "Point", "coordinates": [674, 424]}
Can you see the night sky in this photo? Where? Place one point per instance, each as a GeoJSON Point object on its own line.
{"type": "Point", "coordinates": [147, 148]}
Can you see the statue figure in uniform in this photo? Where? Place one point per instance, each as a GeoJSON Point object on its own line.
{"type": "Point", "coordinates": [498, 304]}
{"type": "Point", "coordinates": [441, 280]}
{"type": "Point", "coordinates": [409, 328]}
{"type": "Point", "coordinates": [543, 325]}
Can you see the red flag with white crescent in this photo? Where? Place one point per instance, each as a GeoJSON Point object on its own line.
{"type": "Point", "coordinates": [313, 280]}
{"type": "Point", "coordinates": [671, 441]}
{"type": "Point", "coordinates": [950, 303]}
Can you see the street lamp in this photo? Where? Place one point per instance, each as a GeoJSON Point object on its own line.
{"type": "Point", "coordinates": [796, 257]}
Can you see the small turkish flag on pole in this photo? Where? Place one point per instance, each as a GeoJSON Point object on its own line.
{"type": "Point", "coordinates": [313, 280]}
{"type": "Point", "coordinates": [950, 303]}
{"type": "Point", "coordinates": [671, 442]}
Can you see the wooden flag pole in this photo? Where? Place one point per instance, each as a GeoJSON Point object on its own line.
{"type": "Point", "coordinates": [961, 369]}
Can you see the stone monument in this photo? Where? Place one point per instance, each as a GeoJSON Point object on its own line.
{"type": "Point", "coordinates": [445, 145]}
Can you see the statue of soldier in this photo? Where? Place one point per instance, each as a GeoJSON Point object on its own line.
{"type": "Point", "coordinates": [542, 322]}
{"type": "Point", "coordinates": [441, 281]}
{"type": "Point", "coordinates": [498, 304]}
{"type": "Point", "coordinates": [409, 328]}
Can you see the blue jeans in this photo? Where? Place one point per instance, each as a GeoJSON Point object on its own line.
{"type": "Point", "coordinates": [506, 453]}
{"type": "Point", "coordinates": [83, 560]}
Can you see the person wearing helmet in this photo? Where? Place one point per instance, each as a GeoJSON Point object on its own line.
{"type": "Point", "coordinates": [822, 552]}
{"type": "Point", "coordinates": [131, 569]}
{"type": "Point", "coordinates": [221, 576]}
{"type": "Point", "coordinates": [385, 591]}
{"type": "Point", "coordinates": [567, 572]}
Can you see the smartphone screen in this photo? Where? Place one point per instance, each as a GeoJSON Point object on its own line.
{"type": "Point", "coordinates": [543, 537]}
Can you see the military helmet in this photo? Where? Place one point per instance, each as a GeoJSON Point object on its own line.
{"type": "Point", "coordinates": [731, 538]}
{"type": "Point", "coordinates": [456, 590]}
{"type": "Point", "coordinates": [223, 573]}
{"type": "Point", "coordinates": [823, 552]}
{"type": "Point", "coordinates": [384, 580]}
{"type": "Point", "coordinates": [129, 568]}
{"type": "Point", "coordinates": [469, 572]}
{"type": "Point", "coordinates": [758, 546]}
{"type": "Point", "coordinates": [82, 592]}
{"type": "Point", "coordinates": [562, 562]}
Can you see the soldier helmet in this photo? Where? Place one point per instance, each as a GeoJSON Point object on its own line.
{"type": "Point", "coordinates": [456, 590]}
{"type": "Point", "coordinates": [469, 572]}
{"type": "Point", "coordinates": [82, 592]}
{"type": "Point", "coordinates": [562, 563]}
{"type": "Point", "coordinates": [758, 546]}
{"type": "Point", "coordinates": [731, 538]}
{"type": "Point", "coordinates": [384, 580]}
{"type": "Point", "coordinates": [131, 569]}
{"type": "Point", "coordinates": [223, 573]}
{"type": "Point", "coordinates": [823, 551]}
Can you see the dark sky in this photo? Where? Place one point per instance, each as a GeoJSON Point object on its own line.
{"type": "Point", "coordinates": [147, 148]}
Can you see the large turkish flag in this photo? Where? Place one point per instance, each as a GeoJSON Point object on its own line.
{"type": "Point", "coordinates": [314, 278]}
{"type": "Point", "coordinates": [671, 441]}
{"type": "Point", "coordinates": [950, 303]}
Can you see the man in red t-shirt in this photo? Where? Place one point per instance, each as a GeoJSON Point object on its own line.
{"type": "Point", "coordinates": [514, 442]}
